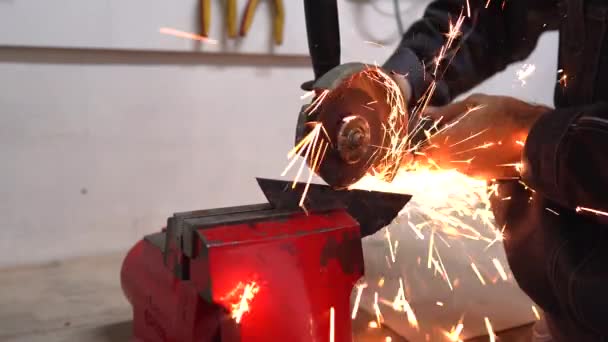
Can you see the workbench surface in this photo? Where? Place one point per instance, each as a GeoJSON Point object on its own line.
{"type": "Point", "coordinates": [81, 300]}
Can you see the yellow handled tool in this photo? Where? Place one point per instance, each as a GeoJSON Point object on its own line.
{"type": "Point", "coordinates": [231, 20]}
{"type": "Point", "coordinates": [278, 19]}
{"type": "Point", "coordinates": [205, 7]}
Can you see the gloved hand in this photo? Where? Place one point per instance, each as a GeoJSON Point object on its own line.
{"type": "Point", "coordinates": [483, 135]}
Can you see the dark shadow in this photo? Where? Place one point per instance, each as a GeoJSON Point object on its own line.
{"type": "Point", "coordinates": [41, 55]}
{"type": "Point", "coordinates": [114, 332]}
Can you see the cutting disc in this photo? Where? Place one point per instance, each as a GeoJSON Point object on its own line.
{"type": "Point", "coordinates": [354, 114]}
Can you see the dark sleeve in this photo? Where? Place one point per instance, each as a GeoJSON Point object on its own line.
{"type": "Point", "coordinates": [491, 39]}
{"type": "Point", "coordinates": [566, 157]}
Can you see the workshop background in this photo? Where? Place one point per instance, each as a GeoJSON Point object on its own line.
{"type": "Point", "coordinates": [108, 126]}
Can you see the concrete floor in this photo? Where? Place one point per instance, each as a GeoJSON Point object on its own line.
{"type": "Point", "coordinates": [81, 300]}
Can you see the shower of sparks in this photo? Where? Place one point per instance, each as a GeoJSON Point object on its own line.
{"type": "Point", "coordinates": [593, 211]}
{"type": "Point", "coordinates": [447, 205]}
{"type": "Point", "coordinates": [525, 72]}
{"type": "Point", "coordinates": [491, 333]}
{"type": "Point", "coordinates": [186, 35]}
{"type": "Point", "coordinates": [332, 328]}
{"type": "Point", "coordinates": [478, 274]}
{"type": "Point", "coordinates": [242, 307]}
{"type": "Point", "coordinates": [313, 150]}
{"type": "Point", "coordinates": [536, 313]}
{"type": "Point", "coordinates": [360, 289]}
{"type": "Point", "coordinates": [500, 269]}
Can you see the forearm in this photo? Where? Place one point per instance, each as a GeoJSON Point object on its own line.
{"type": "Point", "coordinates": [566, 157]}
{"type": "Point", "coordinates": [490, 39]}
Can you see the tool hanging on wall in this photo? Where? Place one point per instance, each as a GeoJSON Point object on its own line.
{"type": "Point", "coordinates": [231, 20]}
{"type": "Point", "coordinates": [277, 23]}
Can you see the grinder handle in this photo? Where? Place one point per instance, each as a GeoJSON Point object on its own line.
{"type": "Point", "coordinates": [323, 30]}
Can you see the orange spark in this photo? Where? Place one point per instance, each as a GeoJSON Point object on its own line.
{"type": "Point", "coordinates": [332, 328]}
{"type": "Point", "coordinates": [589, 210]}
{"type": "Point", "coordinates": [500, 269]}
{"type": "Point", "coordinates": [491, 333]}
{"type": "Point", "coordinates": [242, 307]}
{"type": "Point", "coordinates": [390, 245]}
{"type": "Point", "coordinates": [470, 137]}
{"type": "Point", "coordinates": [373, 324]}
{"type": "Point", "coordinates": [358, 300]}
{"type": "Point", "coordinates": [416, 230]}
{"type": "Point", "coordinates": [401, 304]}
{"type": "Point", "coordinates": [187, 35]}
{"type": "Point", "coordinates": [379, 317]}
{"type": "Point", "coordinates": [317, 102]}
{"type": "Point", "coordinates": [454, 334]}
{"type": "Point", "coordinates": [536, 313]}
{"type": "Point", "coordinates": [477, 273]}
{"type": "Point", "coordinates": [439, 304]}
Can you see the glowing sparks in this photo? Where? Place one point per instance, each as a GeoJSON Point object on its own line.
{"type": "Point", "coordinates": [491, 333]}
{"type": "Point", "coordinates": [401, 304]}
{"type": "Point", "coordinates": [332, 327]}
{"type": "Point", "coordinates": [186, 35]}
{"type": "Point", "coordinates": [593, 211]}
{"type": "Point", "coordinates": [552, 211]}
{"type": "Point", "coordinates": [439, 303]}
{"type": "Point", "coordinates": [526, 71]}
{"type": "Point", "coordinates": [360, 289]}
{"type": "Point", "coordinates": [317, 102]}
{"type": "Point", "coordinates": [563, 78]}
{"type": "Point", "coordinates": [313, 151]}
{"type": "Point", "coordinates": [242, 307]}
{"type": "Point", "coordinates": [500, 269]}
{"type": "Point", "coordinates": [536, 313]}
{"type": "Point", "coordinates": [416, 230]}
{"type": "Point", "coordinates": [379, 317]}
{"type": "Point", "coordinates": [373, 324]}
{"type": "Point", "coordinates": [478, 274]}
{"type": "Point", "coordinates": [455, 332]}
{"type": "Point", "coordinates": [390, 245]}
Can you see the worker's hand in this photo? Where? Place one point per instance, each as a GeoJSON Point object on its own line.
{"type": "Point", "coordinates": [482, 136]}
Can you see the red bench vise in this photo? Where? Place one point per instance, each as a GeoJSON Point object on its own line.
{"type": "Point", "coordinates": [268, 272]}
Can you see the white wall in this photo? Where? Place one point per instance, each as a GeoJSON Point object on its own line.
{"type": "Point", "coordinates": [98, 147]}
